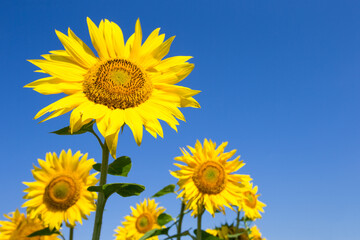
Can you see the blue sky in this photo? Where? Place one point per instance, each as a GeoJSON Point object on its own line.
{"type": "Point", "coordinates": [279, 81]}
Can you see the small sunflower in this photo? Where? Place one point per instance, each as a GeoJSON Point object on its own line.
{"type": "Point", "coordinates": [255, 234]}
{"type": "Point", "coordinates": [249, 202]}
{"type": "Point", "coordinates": [19, 226]}
{"type": "Point", "coordinates": [141, 220]}
{"type": "Point", "coordinates": [207, 179]}
{"type": "Point", "coordinates": [120, 233]}
{"type": "Point", "coordinates": [60, 190]}
{"type": "Point", "coordinates": [128, 83]}
{"type": "Point", "coordinates": [225, 230]}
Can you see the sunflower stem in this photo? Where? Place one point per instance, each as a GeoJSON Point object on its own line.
{"type": "Point", "coordinates": [71, 235]}
{"type": "Point", "coordinates": [97, 137]}
{"type": "Point", "coordinates": [62, 236]}
{"type": "Point", "coordinates": [180, 219]}
{"type": "Point", "coordinates": [238, 218]}
{"type": "Point", "coordinates": [200, 213]}
{"type": "Point", "coordinates": [101, 199]}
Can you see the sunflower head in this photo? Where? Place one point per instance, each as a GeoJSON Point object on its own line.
{"type": "Point", "coordinates": [225, 230]}
{"type": "Point", "coordinates": [19, 226]}
{"type": "Point", "coordinates": [250, 203]}
{"type": "Point", "coordinates": [142, 219]}
{"type": "Point", "coordinates": [59, 192]}
{"type": "Point", "coordinates": [255, 234]}
{"type": "Point", "coordinates": [207, 179]}
{"type": "Point", "coordinates": [127, 83]}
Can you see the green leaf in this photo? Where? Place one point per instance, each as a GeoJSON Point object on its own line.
{"type": "Point", "coordinates": [206, 236]}
{"type": "Point", "coordinates": [120, 167]}
{"type": "Point", "coordinates": [130, 189]}
{"type": "Point", "coordinates": [155, 232]}
{"type": "Point", "coordinates": [85, 128]}
{"type": "Point", "coordinates": [95, 189]}
{"type": "Point", "coordinates": [97, 167]}
{"type": "Point", "coordinates": [163, 219]}
{"type": "Point", "coordinates": [123, 189]}
{"type": "Point", "coordinates": [44, 232]}
{"type": "Point", "coordinates": [168, 189]}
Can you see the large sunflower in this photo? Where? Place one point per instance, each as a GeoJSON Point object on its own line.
{"type": "Point", "coordinates": [128, 83]}
{"type": "Point", "coordinates": [19, 226]}
{"type": "Point", "coordinates": [250, 203]}
{"type": "Point", "coordinates": [141, 220]}
{"type": "Point", "coordinates": [60, 190]}
{"type": "Point", "coordinates": [207, 179]}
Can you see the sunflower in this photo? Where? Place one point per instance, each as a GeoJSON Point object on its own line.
{"type": "Point", "coordinates": [249, 203]}
{"type": "Point", "coordinates": [19, 226]}
{"type": "Point", "coordinates": [255, 234]}
{"type": "Point", "coordinates": [60, 190]}
{"type": "Point", "coordinates": [141, 220]}
{"type": "Point", "coordinates": [120, 233]}
{"type": "Point", "coordinates": [207, 179]}
{"type": "Point", "coordinates": [128, 83]}
{"type": "Point", "coordinates": [225, 230]}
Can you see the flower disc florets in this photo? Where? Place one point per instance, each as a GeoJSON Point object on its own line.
{"type": "Point", "coordinates": [207, 179]}
{"type": "Point", "coordinates": [117, 84]}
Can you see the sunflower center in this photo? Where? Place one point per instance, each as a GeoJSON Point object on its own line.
{"type": "Point", "coordinates": [61, 193]}
{"type": "Point", "coordinates": [250, 199]}
{"type": "Point", "coordinates": [144, 223]}
{"type": "Point", "coordinates": [117, 84]}
{"type": "Point", "coordinates": [210, 178]}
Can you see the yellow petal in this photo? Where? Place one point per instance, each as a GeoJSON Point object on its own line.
{"type": "Point", "coordinates": [137, 40]}
{"type": "Point", "coordinates": [97, 40]}
{"type": "Point", "coordinates": [67, 102]}
{"type": "Point", "coordinates": [118, 40]}
{"type": "Point", "coordinates": [62, 70]}
{"type": "Point", "coordinates": [85, 47]}
{"type": "Point", "coordinates": [133, 120]}
{"type": "Point", "coordinates": [76, 50]}
{"type": "Point", "coordinates": [108, 36]}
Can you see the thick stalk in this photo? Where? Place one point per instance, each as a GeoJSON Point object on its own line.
{"type": "Point", "coordinates": [101, 198]}
{"type": "Point", "coordinates": [180, 219]}
{"type": "Point", "coordinates": [200, 213]}
{"type": "Point", "coordinates": [71, 236]}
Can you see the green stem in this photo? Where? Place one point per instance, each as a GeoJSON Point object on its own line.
{"type": "Point", "coordinates": [101, 197]}
{"type": "Point", "coordinates": [245, 223]}
{"type": "Point", "coordinates": [238, 219]}
{"type": "Point", "coordinates": [71, 237]}
{"type": "Point", "coordinates": [97, 137]}
{"type": "Point", "coordinates": [200, 213]}
{"type": "Point", "coordinates": [180, 219]}
{"type": "Point", "coordinates": [63, 238]}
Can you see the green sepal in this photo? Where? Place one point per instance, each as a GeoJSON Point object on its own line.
{"type": "Point", "coordinates": [85, 128]}
{"type": "Point", "coordinates": [123, 189]}
{"type": "Point", "coordinates": [164, 218]}
{"type": "Point", "coordinates": [119, 167]}
{"type": "Point", "coordinates": [206, 236]}
{"type": "Point", "coordinates": [168, 189]}
{"type": "Point", "coordinates": [155, 232]}
{"type": "Point", "coordinates": [44, 232]}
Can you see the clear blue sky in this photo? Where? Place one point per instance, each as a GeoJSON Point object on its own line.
{"type": "Point", "coordinates": [279, 81]}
